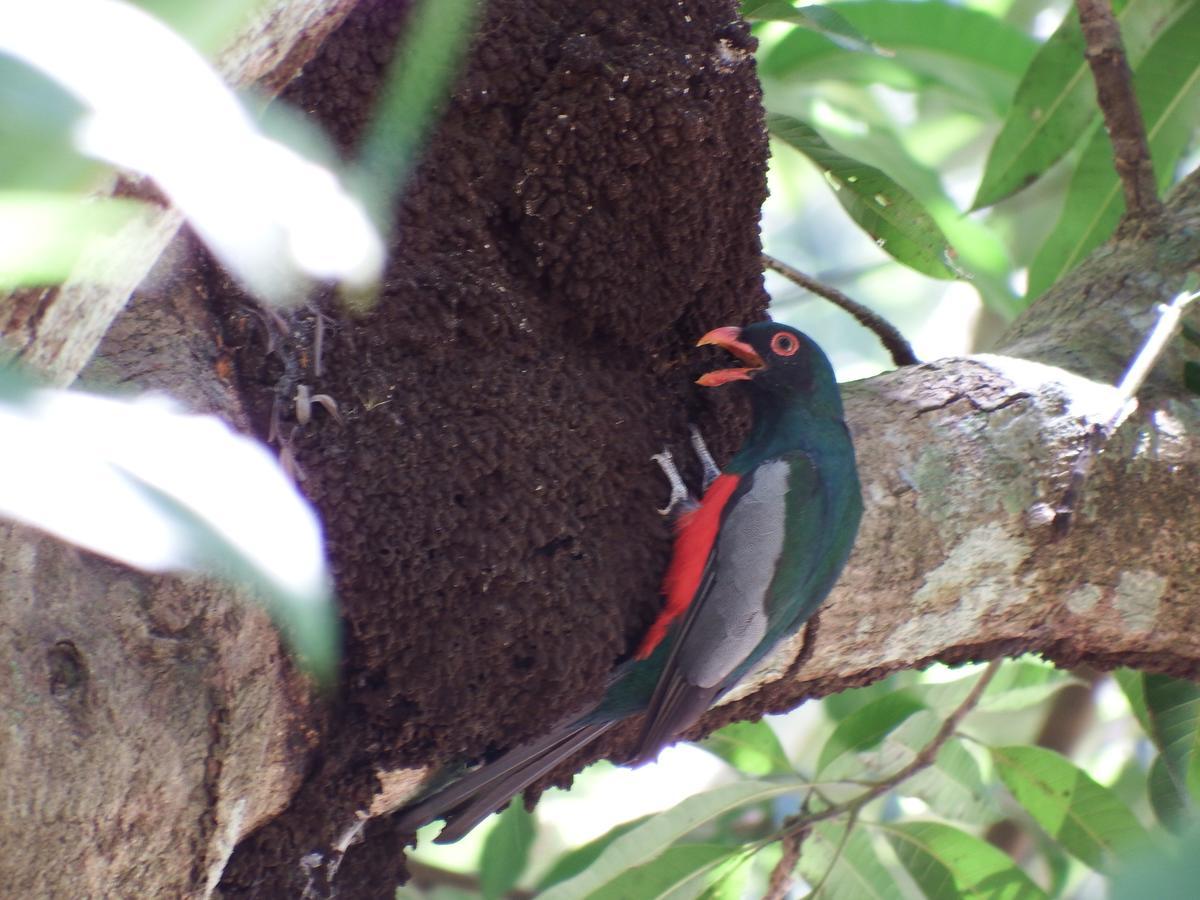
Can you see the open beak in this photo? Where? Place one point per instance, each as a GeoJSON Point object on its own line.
{"type": "Point", "coordinates": [728, 338]}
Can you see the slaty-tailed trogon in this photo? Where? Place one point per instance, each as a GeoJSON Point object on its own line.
{"type": "Point", "coordinates": [752, 562]}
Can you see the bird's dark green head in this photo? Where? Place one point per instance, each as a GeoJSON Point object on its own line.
{"type": "Point", "coordinates": [781, 365]}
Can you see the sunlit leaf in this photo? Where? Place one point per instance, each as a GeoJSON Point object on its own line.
{"type": "Point", "coordinates": [506, 851]}
{"type": "Point", "coordinates": [949, 864]}
{"type": "Point", "coordinates": [846, 867]}
{"type": "Point", "coordinates": [899, 224]}
{"type": "Point", "coordinates": [147, 485]}
{"type": "Point", "coordinates": [1055, 104]}
{"type": "Point", "coordinates": [1085, 817]}
{"type": "Point", "coordinates": [750, 747]}
{"type": "Point", "coordinates": [819, 19]}
{"type": "Point", "coordinates": [1167, 85]}
{"type": "Point", "coordinates": [649, 840]}
{"type": "Point", "coordinates": [273, 217]}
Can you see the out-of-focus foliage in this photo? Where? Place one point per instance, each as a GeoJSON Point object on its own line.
{"type": "Point", "coordinates": [123, 91]}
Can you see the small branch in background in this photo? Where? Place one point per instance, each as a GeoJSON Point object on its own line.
{"type": "Point", "coordinates": [779, 885]}
{"type": "Point", "coordinates": [888, 334]}
{"type": "Point", "coordinates": [1135, 376]}
{"type": "Point", "coordinates": [1122, 116]}
{"type": "Point", "coordinates": [925, 757]}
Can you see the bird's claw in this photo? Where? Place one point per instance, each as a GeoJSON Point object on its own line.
{"type": "Point", "coordinates": [706, 461]}
{"type": "Point", "coordinates": [680, 496]}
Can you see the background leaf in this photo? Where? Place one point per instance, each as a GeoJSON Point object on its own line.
{"type": "Point", "coordinates": [750, 747]}
{"type": "Point", "coordinates": [966, 52]}
{"type": "Point", "coordinates": [506, 851]}
{"type": "Point", "coordinates": [1167, 85]}
{"type": "Point", "coordinates": [949, 864]}
{"type": "Point", "coordinates": [846, 867]}
{"type": "Point", "coordinates": [1055, 104]}
{"type": "Point", "coordinates": [897, 222]}
{"type": "Point", "coordinates": [645, 843]}
{"type": "Point", "coordinates": [1086, 817]}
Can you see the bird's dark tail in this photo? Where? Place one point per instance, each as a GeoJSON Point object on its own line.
{"type": "Point", "coordinates": [471, 799]}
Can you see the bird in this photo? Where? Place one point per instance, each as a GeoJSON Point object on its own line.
{"type": "Point", "coordinates": [752, 561]}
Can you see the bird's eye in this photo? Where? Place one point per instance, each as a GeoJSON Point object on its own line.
{"type": "Point", "coordinates": [783, 344]}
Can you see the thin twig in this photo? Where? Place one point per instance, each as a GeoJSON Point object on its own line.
{"type": "Point", "coordinates": [1122, 115]}
{"type": "Point", "coordinates": [1139, 369]}
{"type": "Point", "coordinates": [888, 334]}
{"type": "Point", "coordinates": [780, 882]}
{"type": "Point", "coordinates": [923, 760]}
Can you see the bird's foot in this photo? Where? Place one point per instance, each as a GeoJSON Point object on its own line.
{"type": "Point", "coordinates": [681, 498]}
{"type": "Point", "coordinates": [706, 461]}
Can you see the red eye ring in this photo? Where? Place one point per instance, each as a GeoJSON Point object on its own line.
{"type": "Point", "coordinates": [784, 344]}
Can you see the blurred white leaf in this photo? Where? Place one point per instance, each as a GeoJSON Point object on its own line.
{"type": "Point", "coordinates": [148, 485]}
{"type": "Point", "coordinates": [154, 105]}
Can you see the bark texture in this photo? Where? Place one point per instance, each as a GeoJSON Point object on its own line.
{"type": "Point", "coordinates": [587, 208]}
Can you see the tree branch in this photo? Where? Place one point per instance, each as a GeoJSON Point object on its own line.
{"type": "Point", "coordinates": [1122, 115]}
{"type": "Point", "coordinates": [889, 335]}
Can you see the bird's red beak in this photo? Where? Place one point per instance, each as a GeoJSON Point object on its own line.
{"type": "Point", "coordinates": [728, 338]}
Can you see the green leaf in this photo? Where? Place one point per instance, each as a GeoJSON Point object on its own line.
{"type": "Point", "coordinates": [1171, 870]}
{"type": "Point", "coordinates": [897, 222]}
{"type": "Point", "coordinates": [1019, 684]}
{"type": "Point", "coordinates": [1167, 85]}
{"type": "Point", "coordinates": [575, 861]}
{"type": "Point", "coordinates": [1130, 682]}
{"type": "Point", "coordinates": [37, 120]}
{"type": "Point", "coordinates": [819, 19]}
{"type": "Point", "coordinates": [1191, 376]}
{"type": "Point", "coordinates": [417, 86]}
{"type": "Point", "coordinates": [750, 747]}
{"type": "Point", "coordinates": [866, 727]}
{"type": "Point", "coordinates": [949, 864]}
{"type": "Point", "coordinates": [1055, 104]}
{"type": "Point", "coordinates": [845, 866]}
{"type": "Point", "coordinates": [968, 52]}
{"type": "Point", "coordinates": [1169, 805]}
{"type": "Point", "coordinates": [1085, 817]}
{"type": "Point", "coordinates": [505, 853]}
{"type": "Point", "coordinates": [953, 785]}
{"type": "Point", "coordinates": [838, 706]}
{"type": "Point", "coordinates": [1173, 705]}
{"type": "Point", "coordinates": [45, 237]}
{"type": "Point", "coordinates": [648, 841]}
{"type": "Point", "coordinates": [669, 875]}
